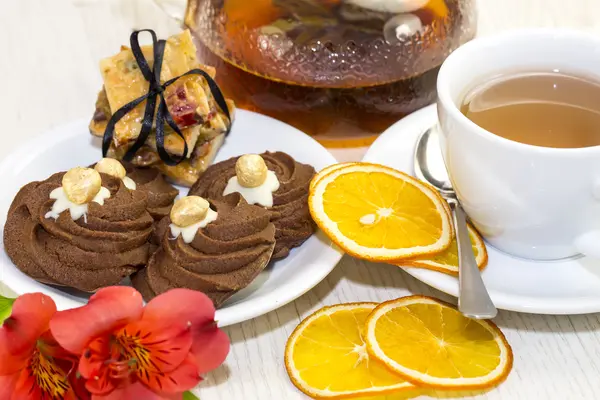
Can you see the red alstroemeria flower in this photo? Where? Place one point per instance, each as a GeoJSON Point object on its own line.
{"type": "Point", "coordinates": [32, 365]}
{"type": "Point", "coordinates": [131, 352]}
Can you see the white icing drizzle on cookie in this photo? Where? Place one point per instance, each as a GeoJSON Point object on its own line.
{"type": "Point", "coordinates": [129, 183]}
{"type": "Point", "coordinates": [188, 233]}
{"type": "Point", "coordinates": [77, 211]}
{"type": "Point", "coordinates": [262, 194]}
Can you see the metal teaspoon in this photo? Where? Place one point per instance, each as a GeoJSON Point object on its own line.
{"type": "Point", "coordinates": [473, 298]}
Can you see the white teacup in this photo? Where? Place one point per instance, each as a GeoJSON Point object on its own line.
{"type": "Point", "coordinates": [533, 202]}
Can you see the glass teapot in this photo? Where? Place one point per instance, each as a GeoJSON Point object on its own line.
{"type": "Point", "coordinates": [340, 70]}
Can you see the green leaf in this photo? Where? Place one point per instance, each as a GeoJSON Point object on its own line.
{"type": "Point", "coordinates": [190, 396]}
{"type": "Point", "coordinates": [5, 308]}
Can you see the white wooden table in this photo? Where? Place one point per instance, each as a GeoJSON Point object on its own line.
{"type": "Point", "coordinates": [49, 75]}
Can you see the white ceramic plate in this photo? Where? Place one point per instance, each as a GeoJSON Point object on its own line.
{"type": "Point", "coordinates": [283, 281]}
{"type": "Point", "coordinates": [558, 287]}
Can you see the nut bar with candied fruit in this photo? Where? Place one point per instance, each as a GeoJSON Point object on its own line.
{"type": "Point", "coordinates": [189, 101]}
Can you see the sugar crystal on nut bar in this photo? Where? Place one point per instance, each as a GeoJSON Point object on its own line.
{"type": "Point", "coordinates": [190, 102]}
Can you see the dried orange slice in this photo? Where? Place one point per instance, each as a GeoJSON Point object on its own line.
{"type": "Point", "coordinates": [326, 356]}
{"type": "Point", "coordinates": [447, 260]}
{"type": "Point", "coordinates": [380, 214]}
{"type": "Point", "coordinates": [430, 343]}
{"type": "Point", "coordinates": [327, 170]}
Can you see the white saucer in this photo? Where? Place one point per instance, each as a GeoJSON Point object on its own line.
{"type": "Point", "coordinates": [558, 287]}
{"type": "Point", "coordinates": [283, 281]}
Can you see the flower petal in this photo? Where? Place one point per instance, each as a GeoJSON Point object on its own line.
{"type": "Point", "coordinates": [157, 347]}
{"type": "Point", "coordinates": [43, 379]}
{"type": "Point", "coordinates": [93, 366]}
{"type": "Point", "coordinates": [93, 357]}
{"type": "Point", "coordinates": [181, 305]}
{"type": "Point", "coordinates": [210, 348]}
{"type": "Point", "coordinates": [78, 384]}
{"type": "Point", "coordinates": [29, 319]}
{"type": "Point", "coordinates": [103, 385]}
{"type": "Point", "coordinates": [132, 391]}
{"type": "Point", "coordinates": [106, 310]}
{"type": "Point", "coordinates": [7, 385]}
{"type": "Point", "coordinates": [210, 344]}
{"type": "Point", "coordinates": [50, 348]}
{"type": "Point", "coordinates": [13, 363]}
{"type": "Point", "coordinates": [183, 378]}
{"type": "Point", "coordinates": [70, 395]}
{"type": "Point", "coordinates": [26, 387]}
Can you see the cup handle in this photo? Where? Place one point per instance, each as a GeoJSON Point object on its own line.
{"type": "Point", "coordinates": [589, 244]}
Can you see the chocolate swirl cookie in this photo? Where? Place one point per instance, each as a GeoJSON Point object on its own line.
{"type": "Point", "coordinates": [289, 213]}
{"type": "Point", "coordinates": [223, 257]}
{"type": "Point", "coordinates": [161, 194]}
{"type": "Point", "coordinates": [99, 249]}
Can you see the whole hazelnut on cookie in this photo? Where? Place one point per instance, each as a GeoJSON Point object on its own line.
{"type": "Point", "coordinates": [189, 210]}
{"type": "Point", "coordinates": [111, 167]}
{"type": "Point", "coordinates": [81, 185]}
{"type": "Point", "coordinates": [251, 170]}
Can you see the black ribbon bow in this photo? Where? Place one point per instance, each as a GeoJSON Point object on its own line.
{"type": "Point", "coordinates": [162, 114]}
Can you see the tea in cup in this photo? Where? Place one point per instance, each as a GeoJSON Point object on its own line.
{"type": "Point", "coordinates": [520, 132]}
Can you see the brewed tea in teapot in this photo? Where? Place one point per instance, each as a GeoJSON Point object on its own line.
{"type": "Point", "coordinates": [339, 70]}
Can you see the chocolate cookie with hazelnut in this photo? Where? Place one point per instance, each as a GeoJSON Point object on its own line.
{"type": "Point", "coordinates": [274, 181]}
{"type": "Point", "coordinates": [82, 229]}
{"type": "Point", "coordinates": [161, 194]}
{"type": "Point", "coordinates": [216, 247]}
